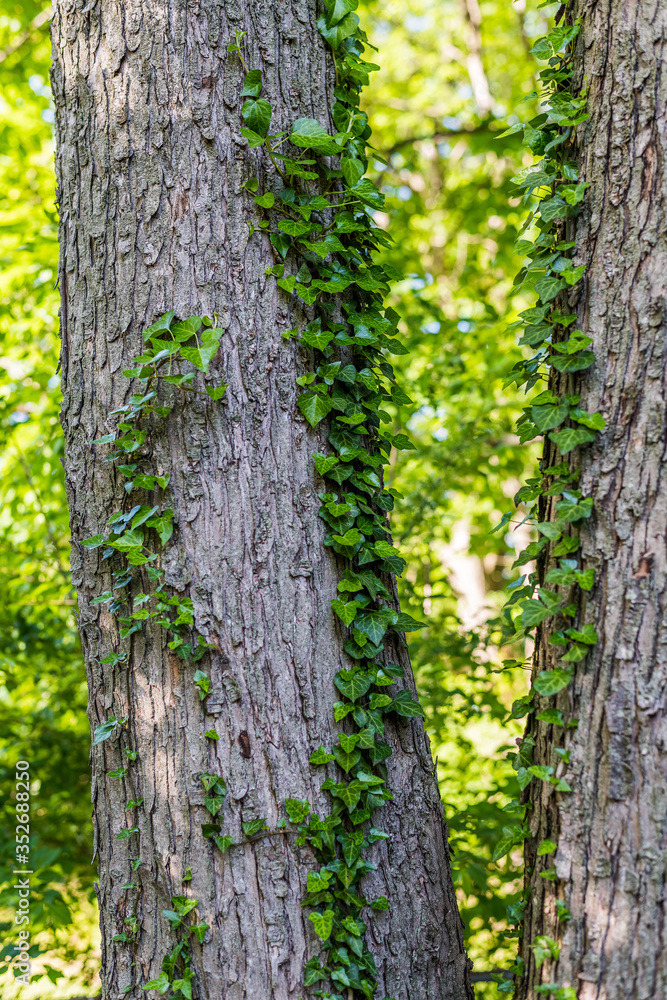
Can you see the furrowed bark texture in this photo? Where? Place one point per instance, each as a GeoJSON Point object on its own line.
{"type": "Point", "coordinates": [611, 829]}
{"type": "Point", "coordinates": [153, 216]}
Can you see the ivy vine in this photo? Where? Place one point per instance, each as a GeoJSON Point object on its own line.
{"type": "Point", "coordinates": [552, 500]}
{"type": "Point", "coordinates": [319, 220]}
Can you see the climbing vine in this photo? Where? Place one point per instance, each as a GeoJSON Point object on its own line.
{"type": "Point", "coordinates": [317, 211]}
{"type": "Point", "coordinates": [552, 500]}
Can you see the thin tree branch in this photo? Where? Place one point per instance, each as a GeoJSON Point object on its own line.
{"type": "Point", "coordinates": [35, 25]}
{"type": "Point", "coordinates": [478, 80]}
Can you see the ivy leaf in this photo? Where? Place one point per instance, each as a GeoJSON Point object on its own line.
{"type": "Point", "coordinates": [314, 406]}
{"type": "Point", "coordinates": [267, 200]}
{"type": "Point", "coordinates": [252, 85]}
{"type": "Point", "coordinates": [587, 634]}
{"type": "Point", "coordinates": [320, 756]}
{"type": "Point", "coordinates": [374, 625]}
{"type": "Point", "coordinates": [339, 32]}
{"type": "Point", "coordinates": [406, 706]}
{"type": "Point", "coordinates": [298, 810]}
{"type": "Point", "coordinates": [546, 847]}
{"type": "Point", "coordinates": [346, 760]}
{"type": "Point", "coordinates": [106, 729]}
{"type": "Point", "coordinates": [253, 826]}
{"type": "Point", "coordinates": [323, 924]}
{"type": "Point", "coordinates": [593, 420]}
{"type": "Point", "coordinates": [223, 843]}
{"type": "Point", "coordinates": [309, 134]}
{"type": "Point", "coordinates": [216, 393]}
{"type": "Point", "coordinates": [546, 417]}
{"type": "Point", "coordinates": [257, 113]}
{"type": "Point", "coordinates": [549, 682]}
{"type": "Point", "coordinates": [346, 612]}
{"type": "Point", "coordinates": [367, 192]}
{"type": "Point", "coordinates": [353, 169]}
{"type": "Point", "coordinates": [569, 438]}
{"type": "Point", "coordinates": [573, 362]}
{"type": "Point", "coordinates": [351, 537]}
{"type": "Point", "coordinates": [254, 139]}
{"type": "Point", "coordinates": [406, 623]}
{"type": "Point", "coordinates": [353, 686]}
{"type": "Point", "coordinates": [548, 287]}
{"type": "Point", "coordinates": [533, 613]}
{"type": "Point", "coordinates": [200, 357]}
{"type": "Point", "coordinates": [93, 542]}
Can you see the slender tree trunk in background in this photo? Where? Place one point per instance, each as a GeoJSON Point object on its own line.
{"type": "Point", "coordinates": [153, 217]}
{"type": "Point", "coordinates": [612, 852]}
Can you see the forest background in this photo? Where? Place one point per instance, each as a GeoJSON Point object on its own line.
{"type": "Point", "coordinates": [453, 76]}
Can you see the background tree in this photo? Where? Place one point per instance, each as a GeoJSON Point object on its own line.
{"type": "Point", "coordinates": [609, 864]}
{"type": "Point", "coordinates": [447, 189]}
{"type": "Point", "coordinates": [153, 217]}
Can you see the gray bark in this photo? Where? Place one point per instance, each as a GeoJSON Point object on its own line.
{"type": "Point", "coordinates": [153, 216]}
{"type": "Point", "coordinates": [612, 852]}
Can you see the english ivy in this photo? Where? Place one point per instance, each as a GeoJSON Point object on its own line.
{"type": "Point", "coordinates": [553, 501]}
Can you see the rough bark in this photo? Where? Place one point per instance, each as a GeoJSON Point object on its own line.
{"type": "Point", "coordinates": [153, 216]}
{"type": "Point", "coordinates": [611, 829]}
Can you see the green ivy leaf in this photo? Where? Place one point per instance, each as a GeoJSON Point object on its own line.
{"type": "Point", "coordinates": [257, 113]}
{"type": "Point", "coordinates": [298, 810]}
{"type": "Point", "coordinates": [253, 826]}
{"type": "Point", "coordinates": [320, 756]}
{"type": "Point", "coordinates": [309, 134]}
{"type": "Point", "coordinates": [223, 843]}
{"type": "Point", "coordinates": [550, 682]}
{"type": "Point", "coordinates": [315, 406]}
{"type": "Point", "coordinates": [252, 85]}
{"type": "Point", "coordinates": [406, 706]}
{"type": "Point", "coordinates": [352, 686]}
{"type": "Point", "coordinates": [323, 924]}
{"type": "Point", "coordinates": [346, 612]}
{"type": "Point", "coordinates": [570, 437]}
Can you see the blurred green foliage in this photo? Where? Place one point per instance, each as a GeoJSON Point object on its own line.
{"type": "Point", "coordinates": [446, 177]}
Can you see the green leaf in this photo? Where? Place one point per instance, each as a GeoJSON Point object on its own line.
{"type": "Point", "coordinates": [593, 420]}
{"type": "Point", "coordinates": [548, 287]}
{"type": "Point", "coordinates": [257, 113]}
{"type": "Point", "coordinates": [534, 612]}
{"type": "Point", "coordinates": [105, 730]}
{"type": "Point", "coordinates": [309, 134]}
{"type": "Point", "coordinates": [572, 362]}
{"type": "Point", "coordinates": [323, 924]}
{"type": "Point", "coordinates": [346, 612]}
{"type": "Point", "coordinates": [405, 623]}
{"type": "Point", "coordinates": [352, 686]}
{"type": "Point", "coordinates": [346, 760]}
{"type": "Point", "coordinates": [367, 192]}
{"type": "Point", "coordinates": [315, 406]}
{"type": "Point", "coordinates": [575, 654]}
{"type": "Point", "coordinates": [320, 756]}
{"type": "Point", "coordinates": [353, 169]}
{"type": "Point", "coordinates": [570, 437]}
{"type": "Point", "coordinates": [550, 682]}
{"type": "Point", "coordinates": [587, 635]}
{"type": "Point", "coordinates": [223, 843]}
{"type": "Point", "coordinates": [298, 810]}
{"type": "Point", "coordinates": [265, 200]}
{"type": "Point", "coordinates": [254, 140]}
{"type": "Point", "coordinates": [337, 33]}
{"type": "Point", "coordinates": [200, 357]}
{"type": "Point", "coordinates": [546, 847]}
{"type": "Point", "coordinates": [93, 542]}
{"type": "Point", "coordinates": [546, 417]}
{"type": "Point", "coordinates": [216, 393]}
{"type": "Point", "coordinates": [253, 826]}
{"type": "Point", "coordinates": [252, 85]}
{"type": "Point", "coordinates": [405, 705]}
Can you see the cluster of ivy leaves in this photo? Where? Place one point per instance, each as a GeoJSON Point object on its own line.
{"type": "Point", "coordinates": [552, 500]}
{"type": "Point", "coordinates": [320, 224]}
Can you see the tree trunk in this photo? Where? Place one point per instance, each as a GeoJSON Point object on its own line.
{"type": "Point", "coordinates": [611, 860]}
{"type": "Point", "coordinates": [153, 217]}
